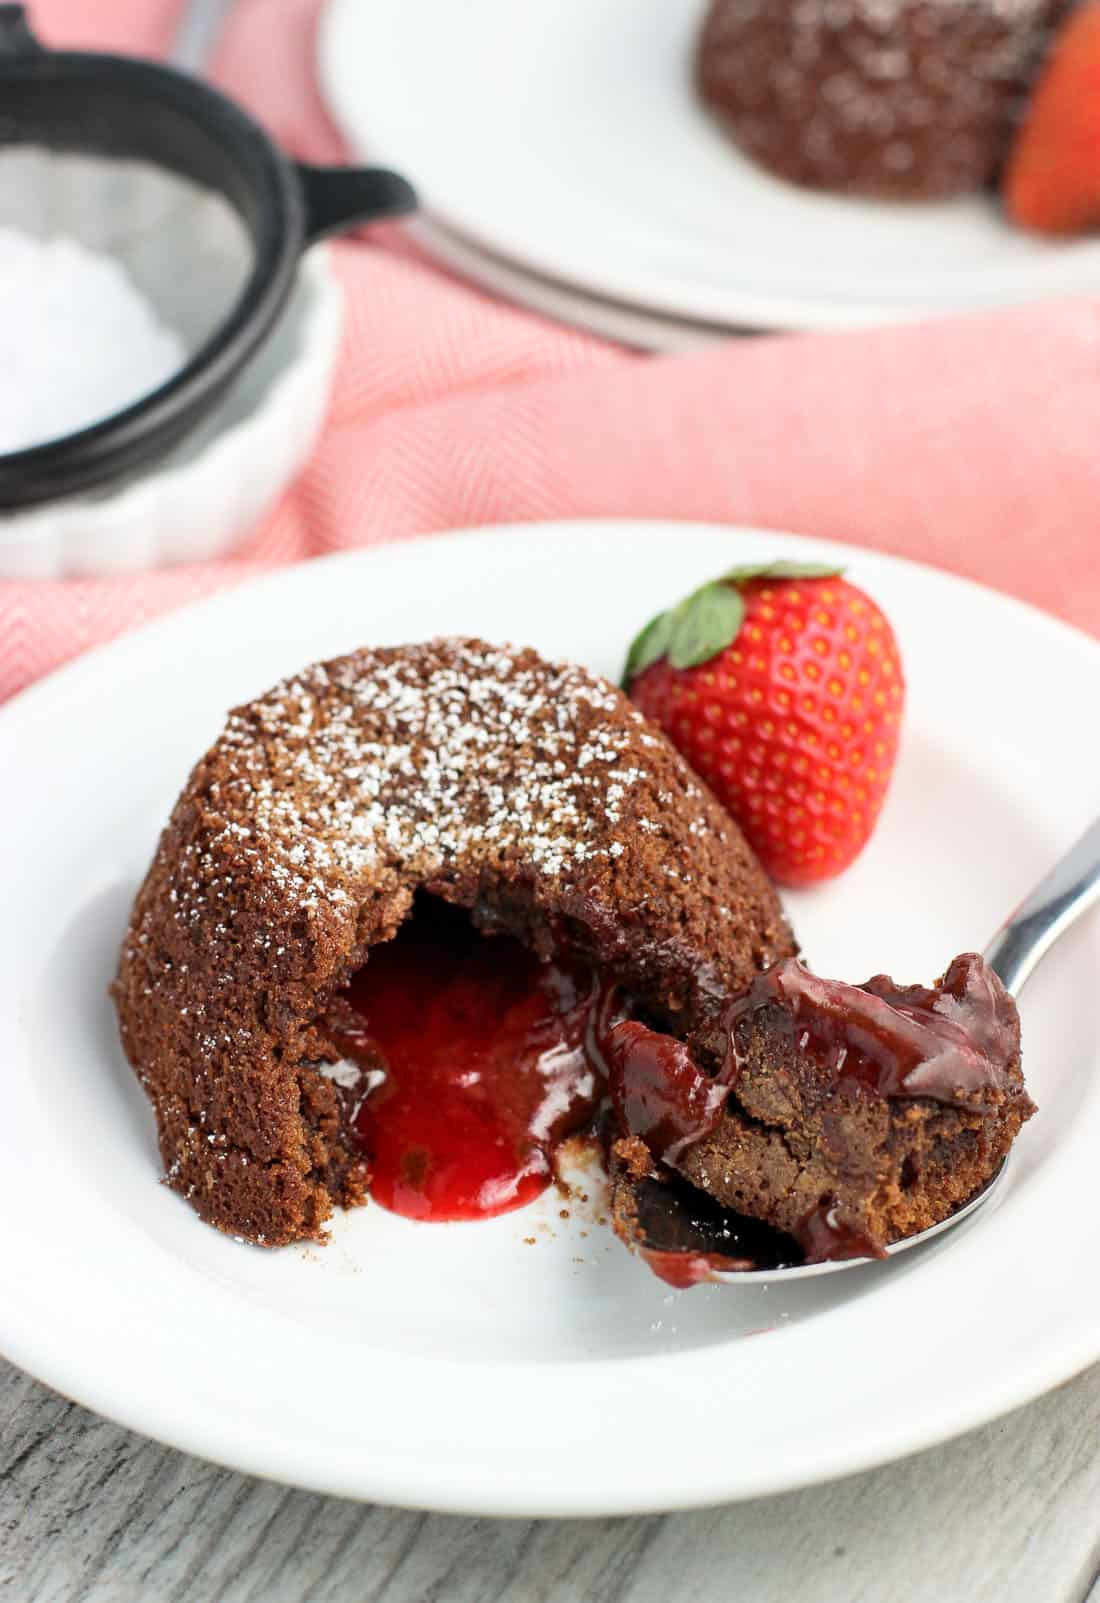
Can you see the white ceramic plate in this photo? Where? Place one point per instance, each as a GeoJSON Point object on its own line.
{"type": "Point", "coordinates": [460, 1366]}
{"type": "Point", "coordinates": [567, 139]}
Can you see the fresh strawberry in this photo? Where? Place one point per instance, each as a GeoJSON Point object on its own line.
{"type": "Point", "coordinates": [782, 686]}
{"type": "Point", "coordinates": [1052, 180]}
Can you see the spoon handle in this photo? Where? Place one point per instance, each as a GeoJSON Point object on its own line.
{"type": "Point", "coordinates": [1059, 899]}
{"type": "Point", "coordinates": [199, 26]}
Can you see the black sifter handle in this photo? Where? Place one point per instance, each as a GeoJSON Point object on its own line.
{"type": "Point", "coordinates": [337, 198]}
{"type": "Point", "coordinates": [16, 38]}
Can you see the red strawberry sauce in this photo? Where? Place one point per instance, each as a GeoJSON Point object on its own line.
{"type": "Point", "coordinates": [483, 1051]}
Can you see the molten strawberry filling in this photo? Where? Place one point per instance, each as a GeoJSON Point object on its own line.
{"type": "Point", "coordinates": [473, 1053]}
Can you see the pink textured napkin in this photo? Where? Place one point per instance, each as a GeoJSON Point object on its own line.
{"type": "Point", "coordinates": [972, 443]}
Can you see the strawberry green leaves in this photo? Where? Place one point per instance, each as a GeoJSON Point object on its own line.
{"type": "Point", "coordinates": [648, 646]}
{"type": "Point", "coordinates": [689, 633]}
{"type": "Point", "coordinates": [710, 618]}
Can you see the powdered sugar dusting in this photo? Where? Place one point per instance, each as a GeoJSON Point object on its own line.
{"type": "Point", "coordinates": [410, 760]}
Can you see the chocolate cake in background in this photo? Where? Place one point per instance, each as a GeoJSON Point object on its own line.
{"type": "Point", "coordinates": [530, 793]}
{"type": "Point", "coordinates": [901, 99]}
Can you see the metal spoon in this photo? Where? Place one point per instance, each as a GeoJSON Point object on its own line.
{"type": "Point", "coordinates": [1070, 888]}
{"type": "Point", "coordinates": [199, 25]}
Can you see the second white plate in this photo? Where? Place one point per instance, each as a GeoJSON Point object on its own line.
{"type": "Point", "coordinates": [568, 140]}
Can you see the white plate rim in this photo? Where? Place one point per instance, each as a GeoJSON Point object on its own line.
{"type": "Point", "coordinates": [50, 1357]}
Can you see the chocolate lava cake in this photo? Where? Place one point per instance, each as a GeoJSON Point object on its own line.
{"type": "Point", "coordinates": [845, 1116]}
{"type": "Point", "coordinates": [904, 99]}
{"type": "Point", "coordinates": [531, 794]}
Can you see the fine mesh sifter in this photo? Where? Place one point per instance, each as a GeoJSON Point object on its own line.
{"type": "Point", "coordinates": [189, 193]}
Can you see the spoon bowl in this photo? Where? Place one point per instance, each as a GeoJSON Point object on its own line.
{"type": "Point", "coordinates": [806, 1271]}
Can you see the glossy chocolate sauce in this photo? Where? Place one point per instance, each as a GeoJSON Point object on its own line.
{"type": "Point", "coordinates": [824, 1238]}
{"type": "Point", "coordinates": [659, 1093]}
{"type": "Point", "coordinates": [952, 1042]}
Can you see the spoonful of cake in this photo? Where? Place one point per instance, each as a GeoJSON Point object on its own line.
{"type": "Point", "coordinates": [820, 1124]}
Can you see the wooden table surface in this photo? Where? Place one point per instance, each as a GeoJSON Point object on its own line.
{"type": "Point", "coordinates": [92, 1512]}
